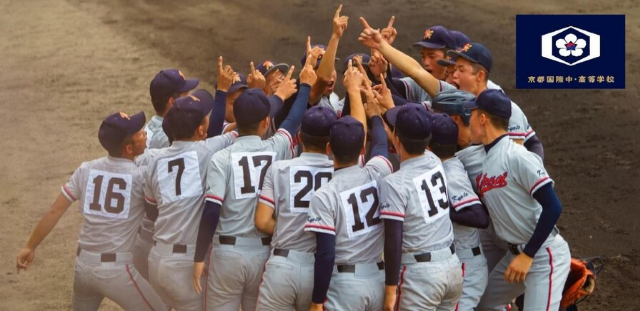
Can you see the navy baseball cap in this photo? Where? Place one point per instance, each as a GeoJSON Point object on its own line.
{"type": "Point", "coordinates": [460, 38]}
{"type": "Point", "coordinates": [444, 129]}
{"type": "Point", "coordinates": [347, 136]}
{"type": "Point", "coordinates": [116, 127]}
{"type": "Point", "coordinates": [365, 60]}
{"type": "Point", "coordinates": [475, 53]}
{"type": "Point", "coordinates": [168, 82]}
{"type": "Point", "coordinates": [187, 112]}
{"type": "Point", "coordinates": [437, 37]}
{"type": "Point", "coordinates": [239, 84]}
{"type": "Point", "coordinates": [268, 67]}
{"type": "Point", "coordinates": [410, 121]}
{"type": "Point", "coordinates": [492, 101]}
{"type": "Point", "coordinates": [251, 107]}
{"type": "Point", "coordinates": [317, 121]}
{"type": "Point", "coordinates": [304, 56]}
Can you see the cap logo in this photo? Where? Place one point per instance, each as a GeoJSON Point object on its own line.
{"type": "Point", "coordinates": [181, 74]}
{"type": "Point", "coordinates": [236, 79]}
{"type": "Point", "coordinates": [427, 34]}
{"type": "Point", "coordinates": [267, 64]}
{"type": "Point", "coordinates": [448, 57]}
{"type": "Point", "coordinates": [466, 47]}
{"type": "Point", "coordinates": [124, 115]}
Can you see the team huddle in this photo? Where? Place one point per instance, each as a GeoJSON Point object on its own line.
{"type": "Point", "coordinates": [423, 188]}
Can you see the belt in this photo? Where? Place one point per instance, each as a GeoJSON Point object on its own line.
{"type": "Point", "coordinates": [231, 240]}
{"type": "Point", "coordinates": [469, 253]}
{"type": "Point", "coordinates": [104, 257]}
{"type": "Point", "coordinates": [280, 252]}
{"type": "Point", "coordinates": [177, 248]}
{"type": "Point", "coordinates": [426, 257]}
{"type": "Point", "coordinates": [352, 268]}
{"type": "Point", "coordinates": [514, 248]}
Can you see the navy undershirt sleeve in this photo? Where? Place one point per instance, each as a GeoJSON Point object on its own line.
{"type": "Point", "coordinates": [534, 145]}
{"type": "Point", "coordinates": [392, 250]}
{"type": "Point", "coordinates": [323, 267]}
{"type": "Point", "coordinates": [474, 216]}
{"type": "Point", "coordinates": [378, 138]}
{"type": "Point", "coordinates": [399, 86]}
{"type": "Point", "coordinates": [216, 120]}
{"type": "Point", "coordinates": [276, 104]}
{"type": "Point", "coordinates": [208, 225]}
{"type": "Point", "coordinates": [293, 120]}
{"type": "Point", "coordinates": [551, 210]}
{"type": "Point", "coordinates": [151, 210]}
{"type": "Point", "coordinates": [282, 113]}
{"type": "Point", "coordinates": [388, 79]}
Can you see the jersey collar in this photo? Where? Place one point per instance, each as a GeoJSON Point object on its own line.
{"type": "Point", "coordinates": [346, 170]}
{"type": "Point", "coordinates": [248, 139]}
{"type": "Point", "coordinates": [413, 161]}
{"type": "Point", "coordinates": [313, 155]}
{"type": "Point", "coordinates": [493, 143]}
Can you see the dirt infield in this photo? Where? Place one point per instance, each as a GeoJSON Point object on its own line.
{"type": "Point", "coordinates": [64, 65]}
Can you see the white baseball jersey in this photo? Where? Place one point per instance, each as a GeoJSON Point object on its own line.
{"type": "Point", "coordinates": [175, 182]}
{"type": "Point", "coordinates": [332, 101]}
{"type": "Point", "coordinates": [111, 202]}
{"type": "Point", "coordinates": [348, 207]}
{"type": "Point", "coordinates": [461, 195]}
{"type": "Point", "coordinates": [472, 158]}
{"type": "Point", "coordinates": [519, 127]}
{"type": "Point", "coordinates": [288, 188]}
{"type": "Point", "coordinates": [415, 93]}
{"type": "Point", "coordinates": [417, 195]}
{"type": "Point", "coordinates": [508, 170]}
{"type": "Point", "coordinates": [492, 85]}
{"type": "Point", "coordinates": [236, 175]}
{"type": "Point", "coordinates": [156, 138]}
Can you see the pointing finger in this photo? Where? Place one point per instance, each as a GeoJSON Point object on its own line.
{"type": "Point", "coordinates": [383, 83]}
{"type": "Point", "coordinates": [364, 23]}
{"type": "Point", "coordinates": [220, 65]}
{"type": "Point", "coordinates": [290, 72]}
{"type": "Point", "coordinates": [338, 11]}
{"type": "Point", "coordinates": [252, 67]}
{"type": "Point", "coordinates": [308, 43]}
{"type": "Point", "coordinates": [393, 19]}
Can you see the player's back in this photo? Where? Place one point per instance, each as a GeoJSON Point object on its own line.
{"type": "Point", "coordinates": [348, 206]}
{"type": "Point", "coordinates": [461, 195]}
{"type": "Point", "coordinates": [175, 182]}
{"type": "Point", "coordinates": [420, 186]}
{"type": "Point", "coordinates": [109, 191]}
{"type": "Point", "coordinates": [294, 183]}
{"type": "Point", "coordinates": [236, 176]}
{"type": "Point", "coordinates": [156, 137]}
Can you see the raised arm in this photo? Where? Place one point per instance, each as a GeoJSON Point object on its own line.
{"type": "Point", "coordinates": [372, 38]}
{"type": "Point", "coordinates": [352, 81]}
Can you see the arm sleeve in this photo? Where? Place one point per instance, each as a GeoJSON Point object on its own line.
{"type": "Point", "coordinates": [208, 225]}
{"type": "Point", "coordinates": [378, 138]}
{"type": "Point", "coordinates": [399, 86]}
{"type": "Point", "coordinates": [292, 122]}
{"type": "Point", "coordinates": [551, 210]}
{"type": "Point", "coordinates": [323, 266]}
{"type": "Point", "coordinates": [267, 195]}
{"type": "Point", "coordinates": [392, 250]}
{"type": "Point", "coordinates": [71, 190]}
{"type": "Point", "coordinates": [321, 216]}
{"type": "Point", "coordinates": [217, 143]}
{"type": "Point", "coordinates": [534, 145]}
{"type": "Point", "coordinates": [151, 210]}
{"type": "Point", "coordinates": [216, 180]}
{"type": "Point", "coordinates": [346, 109]}
{"type": "Point", "coordinates": [392, 203]}
{"type": "Point", "coordinates": [389, 80]}
{"type": "Point", "coordinates": [216, 120]}
{"type": "Point", "coordinates": [474, 216]}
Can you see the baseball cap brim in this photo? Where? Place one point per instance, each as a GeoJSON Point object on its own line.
{"type": "Point", "coordinates": [470, 105]}
{"type": "Point", "coordinates": [205, 98]}
{"type": "Point", "coordinates": [137, 122]}
{"type": "Point", "coordinates": [282, 67]}
{"type": "Point", "coordinates": [446, 62]}
{"type": "Point", "coordinates": [428, 45]}
{"type": "Point", "coordinates": [454, 53]}
{"type": "Point", "coordinates": [392, 114]}
{"type": "Point", "coordinates": [235, 87]}
{"type": "Point", "coordinates": [189, 85]}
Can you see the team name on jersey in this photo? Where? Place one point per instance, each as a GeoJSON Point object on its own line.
{"type": "Point", "coordinates": [485, 183]}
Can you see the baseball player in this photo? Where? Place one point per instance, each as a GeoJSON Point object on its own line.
{"type": "Point", "coordinates": [519, 195]}
{"type": "Point", "coordinates": [111, 202]}
{"type": "Point", "coordinates": [165, 87]}
{"type": "Point", "coordinates": [174, 192]}
{"type": "Point", "coordinates": [418, 231]}
{"type": "Point", "coordinates": [234, 180]}
{"type": "Point", "coordinates": [144, 240]}
{"type": "Point", "coordinates": [282, 210]}
{"type": "Point", "coordinates": [473, 64]}
{"type": "Point", "coordinates": [467, 213]}
{"type": "Point", "coordinates": [345, 217]}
